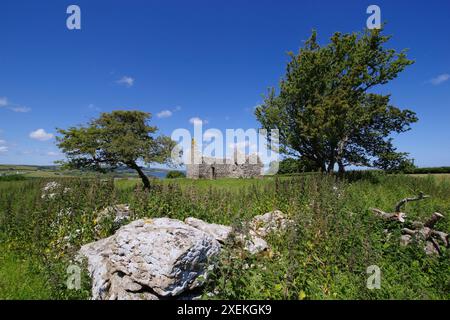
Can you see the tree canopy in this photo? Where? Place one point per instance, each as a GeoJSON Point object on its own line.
{"type": "Point", "coordinates": [326, 110]}
{"type": "Point", "coordinates": [119, 138]}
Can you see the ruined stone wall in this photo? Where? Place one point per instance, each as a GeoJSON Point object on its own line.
{"type": "Point", "coordinates": [212, 168]}
{"type": "Point", "coordinates": [192, 171]}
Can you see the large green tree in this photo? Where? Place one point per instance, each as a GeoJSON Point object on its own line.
{"type": "Point", "coordinates": [119, 138]}
{"type": "Point", "coordinates": [326, 109]}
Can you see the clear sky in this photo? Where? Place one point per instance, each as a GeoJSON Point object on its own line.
{"type": "Point", "coordinates": [207, 59]}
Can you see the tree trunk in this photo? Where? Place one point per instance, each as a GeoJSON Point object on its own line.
{"type": "Point", "coordinates": [330, 168]}
{"type": "Point", "coordinates": [341, 168]}
{"type": "Point", "coordinates": [142, 175]}
{"type": "Point", "coordinates": [340, 152]}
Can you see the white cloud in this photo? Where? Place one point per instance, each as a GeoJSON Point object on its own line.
{"type": "Point", "coordinates": [440, 79]}
{"type": "Point", "coordinates": [20, 109]}
{"type": "Point", "coordinates": [3, 101]}
{"type": "Point", "coordinates": [3, 148]}
{"type": "Point", "coordinates": [126, 81]}
{"type": "Point", "coordinates": [168, 113]}
{"type": "Point", "coordinates": [13, 107]}
{"type": "Point", "coordinates": [197, 121]}
{"type": "Point", "coordinates": [164, 114]}
{"type": "Point", "coordinates": [94, 107]}
{"type": "Point", "coordinates": [53, 154]}
{"type": "Point", "coordinates": [41, 135]}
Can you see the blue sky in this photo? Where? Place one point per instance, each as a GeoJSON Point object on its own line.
{"type": "Point", "coordinates": [207, 59]}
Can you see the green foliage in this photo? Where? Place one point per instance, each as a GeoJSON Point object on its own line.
{"type": "Point", "coordinates": [13, 177]}
{"type": "Point", "coordinates": [291, 165]}
{"type": "Point", "coordinates": [396, 163]}
{"type": "Point", "coordinates": [431, 170]}
{"type": "Point", "coordinates": [326, 110]}
{"type": "Point", "coordinates": [323, 256]}
{"type": "Point", "coordinates": [174, 174]}
{"type": "Point", "coordinates": [20, 278]}
{"type": "Point", "coordinates": [119, 138]}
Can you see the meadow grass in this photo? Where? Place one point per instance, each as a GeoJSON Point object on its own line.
{"type": "Point", "coordinates": [325, 254]}
{"type": "Point", "coordinates": [20, 277]}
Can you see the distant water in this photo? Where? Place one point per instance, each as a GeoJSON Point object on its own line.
{"type": "Point", "coordinates": [159, 174]}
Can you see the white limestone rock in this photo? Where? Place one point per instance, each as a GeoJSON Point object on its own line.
{"type": "Point", "coordinates": [218, 231]}
{"type": "Point", "coordinates": [149, 258]}
{"type": "Point", "coordinates": [269, 222]}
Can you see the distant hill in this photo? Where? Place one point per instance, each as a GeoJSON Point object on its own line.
{"type": "Point", "coordinates": [53, 171]}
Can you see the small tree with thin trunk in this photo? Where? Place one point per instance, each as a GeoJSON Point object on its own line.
{"type": "Point", "coordinates": [116, 139]}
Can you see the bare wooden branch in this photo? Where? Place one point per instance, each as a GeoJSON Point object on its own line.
{"type": "Point", "coordinates": [442, 236]}
{"type": "Point", "coordinates": [421, 232]}
{"type": "Point", "coordinates": [436, 246]}
{"type": "Point", "coordinates": [417, 225]}
{"type": "Point", "coordinates": [409, 231]}
{"type": "Point", "coordinates": [424, 233]}
{"type": "Point", "coordinates": [434, 218]}
{"type": "Point", "coordinates": [402, 202]}
{"type": "Point", "coordinates": [398, 216]}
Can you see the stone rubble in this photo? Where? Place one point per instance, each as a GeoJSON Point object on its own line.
{"type": "Point", "coordinates": [165, 258]}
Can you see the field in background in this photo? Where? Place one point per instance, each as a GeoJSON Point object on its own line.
{"type": "Point", "coordinates": [437, 176]}
{"type": "Point", "coordinates": [54, 171]}
{"type": "Point", "coordinates": [236, 184]}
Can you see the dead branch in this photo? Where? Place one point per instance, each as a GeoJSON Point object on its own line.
{"type": "Point", "coordinates": [422, 232]}
{"type": "Point", "coordinates": [402, 202]}
{"type": "Point", "coordinates": [442, 236]}
{"type": "Point", "coordinates": [398, 216]}
{"type": "Point", "coordinates": [436, 246]}
{"type": "Point", "coordinates": [409, 231]}
{"type": "Point", "coordinates": [435, 217]}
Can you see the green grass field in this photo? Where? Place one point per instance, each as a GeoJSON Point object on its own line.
{"type": "Point", "coordinates": [336, 236]}
{"type": "Point", "coordinates": [437, 176]}
{"type": "Point", "coordinates": [20, 277]}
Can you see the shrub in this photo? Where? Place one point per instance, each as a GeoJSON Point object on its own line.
{"type": "Point", "coordinates": [13, 177]}
{"type": "Point", "coordinates": [435, 170]}
{"type": "Point", "coordinates": [174, 174]}
{"type": "Point", "coordinates": [292, 166]}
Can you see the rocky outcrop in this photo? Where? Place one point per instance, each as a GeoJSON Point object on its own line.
{"type": "Point", "coordinates": [112, 218]}
{"type": "Point", "coordinates": [260, 227]}
{"type": "Point", "coordinates": [252, 235]}
{"type": "Point", "coordinates": [165, 258]}
{"type": "Point", "coordinates": [151, 258]}
{"type": "Point", "coordinates": [248, 239]}
{"type": "Point", "coordinates": [220, 232]}
{"type": "Point", "coordinates": [269, 222]}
